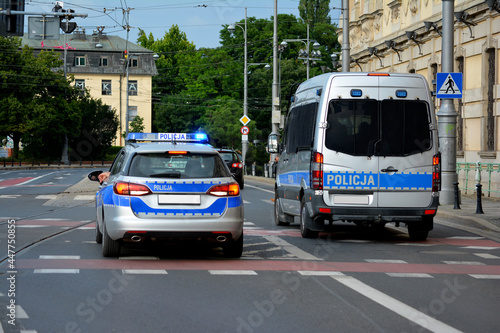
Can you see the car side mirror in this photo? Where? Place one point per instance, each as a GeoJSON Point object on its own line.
{"type": "Point", "coordinates": [273, 143]}
{"type": "Point", "coordinates": [94, 175]}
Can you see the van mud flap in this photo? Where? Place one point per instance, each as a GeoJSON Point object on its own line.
{"type": "Point", "coordinates": [314, 224]}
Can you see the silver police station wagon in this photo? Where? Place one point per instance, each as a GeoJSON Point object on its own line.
{"type": "Point", "coordinates": [168, 186]}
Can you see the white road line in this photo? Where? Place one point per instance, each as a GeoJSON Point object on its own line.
{"type": "Point", "coordinates": [232, 272]}
{"type": "Point", "coordinates": [485, 276]}
{"type": "Point", "coordinates": [20, 313]}
{"type": "Point", "coordinates": [486, 256]}
{"type": "Point", "coordinates": [480, 247]}
{"type": "Point", "coordinates": [463, 263]}
{"type": "Point", "coordinates": [320, 273]}
{"type": "Point", "coordinates": [144, 271]}
{"type": "Point", "coordinates": [386, 261]}
{"type": "Point", "coordinates": [84, 197]}
{"type": "Point", "coordinates": [56, 271]}
{"type": "Point", "coordinates": [292, 249]}
{"type": "Point", "coordinates": [267, 201]}
{"type": "Point", "coordinates": [32, 180]}
{"type": "Point", "coordinates": [410, 275]}
{"type": "Point", "coordinates": [10, 196]}
{"type": "Point", "coordinates": [360, 241]}
{"type": "Point", "coordinates": [58, 257]}
{"type": "Point", "coordinates": [46, 197]}
{"type": "Point", "coordinates": [465, 237]}
{"type": "Point", "coordinates": [394, 305]}
{"type": "Point", "coordinates": [248, 223]}
{"type": "Point", "coordinates": [139, 258]}
{"type": "Point", "coordinates": [415, 244]}
{"type": "Point", "coordinates": [258, 188]}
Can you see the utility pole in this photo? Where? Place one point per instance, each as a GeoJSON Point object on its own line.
{"type": "Point", "coordinates": [276, 113]}
{"type": "Point", "coordinates": [127, 62]}
{"type": "Point", "coordinates": [447, 115]}
{"type": "Point", "coordinates": [346, 51]}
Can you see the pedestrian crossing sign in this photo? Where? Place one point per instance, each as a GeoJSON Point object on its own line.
{"type": "Point", "coordinates": [449, 85]}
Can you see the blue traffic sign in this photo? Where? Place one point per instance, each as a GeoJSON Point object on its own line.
{"type": "Point", "coordinates": [449, 85]}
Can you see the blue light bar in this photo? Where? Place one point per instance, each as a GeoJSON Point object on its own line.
{"type": "Point", "coordinates": [168, 137]}
{"type": "Point", "coordinates": [401, 93]}
{"type": "Point", "coordinates": [356, 93]}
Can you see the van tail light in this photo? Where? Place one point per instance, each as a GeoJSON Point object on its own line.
{"type": "Point", "coordinates": [226, 190]}
{"type": "Point", "coordinates": [132, 189]}
{"type": "Point", "coordinates": [317, 171]}
{"type": "Point", "coordinates": [436, 173]}
{"type": "Point", "coordinates": [237, 165]}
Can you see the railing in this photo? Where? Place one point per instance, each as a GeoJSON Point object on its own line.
{"type": "Point", "coordinates": [478, 169]}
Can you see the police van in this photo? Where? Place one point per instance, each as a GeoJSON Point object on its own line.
{"type": "Point", "coordinates": [362, 148]}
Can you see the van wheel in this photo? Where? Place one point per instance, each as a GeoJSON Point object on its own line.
{"type": "Point", "coordinates": [420, 230]}
{"type": "Point", "coordinates": [277, 211]}
{"type": "Point", "coordinates": [110, 247]}
{"type": "Point", "coordinates": [304, 219]}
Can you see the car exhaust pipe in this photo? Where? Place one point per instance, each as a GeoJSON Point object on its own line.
{"type": "Point", "coordinates": [221, 239]}
{"type": "Point", "coordinates": [136, 238]}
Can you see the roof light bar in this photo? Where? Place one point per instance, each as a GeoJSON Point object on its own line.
{"type": "Point", "coordinates": [168, 137]}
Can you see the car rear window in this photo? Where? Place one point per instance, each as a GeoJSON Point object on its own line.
{"type": "Point", "coordinates": [175, 165]}
{"type": "Point", "coordinates": [379, 128]}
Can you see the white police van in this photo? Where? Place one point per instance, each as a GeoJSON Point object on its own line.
{"type": "Point", "coordinates": [362, 148]}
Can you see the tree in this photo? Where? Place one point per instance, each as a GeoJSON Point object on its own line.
{"type": "Point", "coordinates": [315, 11]}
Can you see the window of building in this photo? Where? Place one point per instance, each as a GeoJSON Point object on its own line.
{"type": "Point", "coordinates": [132, 88]}
{"type": "Point", "coordinates": [80, 84]}
{"type": "Point", "coordinates": [103, 62]}
{"type": "Point", "coordinates": [133, 62]}
{"type": "Point", "coordinates": [490, 118]}
{"type": "Point", "coordinates": [132, 112]}
{"type": "Point", "coordinates": [106, 87]}
{"type": "Point", "coordinates": [80, 60]}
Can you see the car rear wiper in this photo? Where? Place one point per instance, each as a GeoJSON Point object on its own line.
{"type": "Point", "coordinates": [173, 174]}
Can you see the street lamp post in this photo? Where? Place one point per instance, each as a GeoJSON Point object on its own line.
{"type": "Point", "coordinates": [305, 54]}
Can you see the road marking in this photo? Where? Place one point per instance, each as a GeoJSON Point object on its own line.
{"type": "Point", "coordinates": [463, 263]}
{"type": "Point", "coordinates": [415, 244]}
{"type": "Point", "coordinates": [84, 197]}
{"type": "Point", "coordinates": [58, 257]}
{"type": "Point", "coordinates": [386, 261]}
{"type": "Point", "coordinates": [232, 272]}
{"type": "Point", "coordinates": [410, 275]}
{"type": "Point", "coordinates": [20, 313]}
{"type": "Point", "coordinates": [485, 276]}
{"type": "Point", "coordinates": [140, 258]}
{"type": "Point", "coordinates": [486, 256]}
{"type": "Point", "coordinates": [465, 237]}
{"type": "Point", "coordinates": [258, 188]}
{"type": "Point", "coordinates": [360, 241]}
{"type": "Point", "coordinates": [56, 271]}
{"type": "Point", "coordinates": [267, 201]}
{"type": "Point", "coordinates": [144, 271]}
{"type": "Point", "coordinates": [10, 196]}
{"type": "Point", "coordinates": [46, 196]}
{"type": "Point", "coordinates": [292, 249]}
{"type": "Point", "coordinates": [394, 305]}
{"type": "Point", "coordinates": [320, 273]}
{"type": "Point", "coordinates": [480, 247]}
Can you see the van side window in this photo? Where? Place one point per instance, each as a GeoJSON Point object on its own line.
{"type": "Point", "coordinates": [386, 128]}
{"type": "Point", "coordinates": [300, 127]}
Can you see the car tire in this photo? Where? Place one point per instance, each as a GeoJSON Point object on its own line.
{"type": "Point", "coordinates": [98, 233]}
{"type": "Point", "coordinates": [242, 184]}
{"type": "Point", "coordinates": [304, 218]}
{"type": "Point", "coordinates": [110, 247]}
{"type": "Point", "coordinates": [234, 249]}
{"type": "Point", "coordinates": [277, 211]}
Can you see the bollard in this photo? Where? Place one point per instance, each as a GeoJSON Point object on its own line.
{"type": "Point", "coordinates": [479, 207]}
{"type": "Point", "coordinates": [457, 201]}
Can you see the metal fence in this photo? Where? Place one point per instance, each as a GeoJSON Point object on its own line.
{"type": "Point", "coordinates": [491, 170]}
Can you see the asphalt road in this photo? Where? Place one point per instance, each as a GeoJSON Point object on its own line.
{"type": "Point", "coordinates": [349, 279]}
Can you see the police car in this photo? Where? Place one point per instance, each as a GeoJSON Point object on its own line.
{"type": "Point", "coordinates": [168, 186]}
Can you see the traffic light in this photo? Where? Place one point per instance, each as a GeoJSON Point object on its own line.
{"type": "Point", "coordinates": [11, 24]}
{"type": "Point", "coordinates": [125, 54]}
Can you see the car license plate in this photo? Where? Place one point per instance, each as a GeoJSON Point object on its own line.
{"type": "Point", "coordinates": [173, 199]}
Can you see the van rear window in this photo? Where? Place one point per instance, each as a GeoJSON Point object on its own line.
{"type": "Point", "coordinates": [378, 128]}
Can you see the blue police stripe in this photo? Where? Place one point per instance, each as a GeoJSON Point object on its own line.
{"type": "Point", "coordinates": [421, 181]}
{"type": "Point", "coordinates": [217, 208]}
{"type": "Point", "coordinates": [369, 180]}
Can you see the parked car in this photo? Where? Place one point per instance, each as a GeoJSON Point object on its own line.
{"type": "Point", "coordinates": [234, 163]}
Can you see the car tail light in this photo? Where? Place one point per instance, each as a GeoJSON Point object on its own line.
{"type": "Point", "coordinates": [317, 171]}
{"type": "Point", "coordinates": [237, 165]}
{"type": "Point", "coordinates": [132, 189]}
{"type": "Point", "coordinates": [226, 190]}
{"type": "Point", "coordinates": [436, 173]}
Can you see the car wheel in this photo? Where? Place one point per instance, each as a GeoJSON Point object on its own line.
{"type": "Point", "coordinates": [242, 184]}
{"type": "Point", "coordinates": [98, 234]}
{"type": "Point", "coordinates": [304, 217]}
{"type": "Point", "coordinates": [235, 249]}
{"type": "Point", "coordinates": [277, 211]}
{"type": "Point", "coordinates": [110, 247]}
{"type": "Point", "coordinates": [420, 230]}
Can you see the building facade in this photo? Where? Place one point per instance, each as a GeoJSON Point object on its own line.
{"type": "Point", "coordinates": [404, 36]}
{"type": "Point", "coordinates": [98, 63]}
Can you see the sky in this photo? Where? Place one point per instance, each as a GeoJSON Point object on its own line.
{"type": "Point", "coordinates": [201, 20]}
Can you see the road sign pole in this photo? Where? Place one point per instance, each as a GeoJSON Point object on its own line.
{"type": "Point", "coordinates": [447, 115]}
